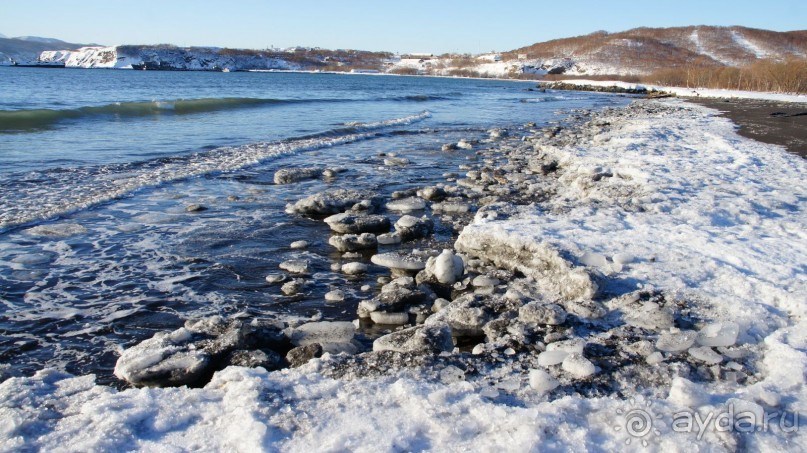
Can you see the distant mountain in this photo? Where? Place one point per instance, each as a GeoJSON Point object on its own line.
{"type": "Point", "coordinates": [641, 51]}
{"type": "Point", "coordinates": [3, 36]}
{"type": "Point", "coordinates": [26, 49]}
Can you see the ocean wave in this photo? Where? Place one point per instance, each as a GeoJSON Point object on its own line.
{"type": "Point", "coordinates": [23, 200]}
{"type": "Point", "coordinates": [359, 126]}
{"type": "Point", "coordinates": [37, 119]}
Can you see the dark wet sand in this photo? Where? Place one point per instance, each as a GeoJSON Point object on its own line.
{"type": "Point", "coordinates": [780, 123]}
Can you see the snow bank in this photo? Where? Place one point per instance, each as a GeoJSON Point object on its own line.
{"type": "Point", "coordinates": [694, 209]}
{"type": "Point", "coordinates": [691, 92]}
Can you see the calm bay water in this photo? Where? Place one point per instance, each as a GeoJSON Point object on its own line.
{"type": "Point", "coordinates": [96, 168]}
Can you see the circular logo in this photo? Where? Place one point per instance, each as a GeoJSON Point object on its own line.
{"type": "Point", "coordinates": [639, 422]}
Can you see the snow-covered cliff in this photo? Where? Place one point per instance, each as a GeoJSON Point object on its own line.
{"type": "Point", "coordinates": [168, 58]}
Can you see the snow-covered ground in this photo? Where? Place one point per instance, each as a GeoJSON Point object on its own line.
{"type": "Point", "coordinates": [691, 92]}
{"type": "Point", "coordinates": [664, 196]}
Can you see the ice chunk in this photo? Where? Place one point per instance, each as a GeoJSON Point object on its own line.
{"type": "Point", "coordinates": [322, 332]}
{"type": "Point", "coordinates": [395, 260]}
{"type": "Point", "coordinates": [686, 393]}
{"type": "Point", "coordinates": [719, 334]}
{"type": "Point", "coordinates": [346, 223]}
{"type": "Point", "coordinates": [295, 266]}
{"type": "Point", "coordinates": [329, 202]}
{"type": "Point", "coordinates": [451, 207]}
{"type": "Point", "coordinates": [578, 366]}
{"type": "Point", "coordinates": [623, 258]}
{"type": "Point", "coordinates": [298, 244]}
{"type": "Point", "coordinates": [593, 260]}
{"type": "Point", "coordinates": [705, 354]}
{"type": "Point", "coordinates": [572, 345]}
{"type": "Point", "coordinates": [410, 227]}
{"type": "Point", "coordinates": [335, 296]}
{"type": "Point", "coordinates": [392, 318]}
{"type": "Point", "coordinates": [542, 382]}
{"type": "Point", "coordinates": [166, 359]}
{"type": "Point", "coordinates": [389, 238]}
{"type": "Point", "coordinates": [654, 358]}
{"type": "Point", "coordinates": [420, 339]}
{"type": "Point", "coordinates": [676, 341]}
{"type": "Point", "coordinates": [484, 280]}
{"type": "Point", "coordinates": [354, 268]}
{"type": "Point", "coordinates": [396, 161]}
{"type": "Point", "coordinates": [445, 267]}
{"type": "Point", "coordinates": [537, 313]}
{"type": "Point", "coordinates": [650, 316]}
{"type": "Point", "coordinates": [540, 261]}
{"type": "Point", "coordinates": [410, 204]}
{"type": "Point", "coordinates": [353, 242]}
{"type": "Point", "coordinates": [292, 175]}
{"type": "Point", "coordinates": [549, 358]}
{"type": "Point", "coordinates": [451, 374]}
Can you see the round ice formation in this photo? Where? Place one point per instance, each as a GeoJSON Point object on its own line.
{"type": "Point", "coordinates": [445, 267]}
{"type": "Point", "coordinates": [676, 341]}
{"type": "Point", "coordinates": [354, 268]}
{"type": "Point", "coordinates": [396, 260]}
{"type": "Point", "coordinates": [407, 205]}
{"type": "Point", "coordinates": [542, 382]}
{"type": "Point", "coordinates": [335, 296]}
{"type": "Point", "coordinates": [578, 366]}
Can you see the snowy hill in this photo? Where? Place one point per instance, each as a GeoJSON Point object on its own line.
{"type": "Point", "coordinates": [644, 50]}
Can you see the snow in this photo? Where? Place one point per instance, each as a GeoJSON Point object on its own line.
{"type": "Point", "coordinates": [692, 92]}
{"type": "Point", "coordinates": [722, 225]}
{"type": "Point", "coordinates": [759, 52]}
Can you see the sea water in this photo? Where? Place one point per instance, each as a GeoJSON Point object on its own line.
{"type": "Point", "coordinates": [97, 251]}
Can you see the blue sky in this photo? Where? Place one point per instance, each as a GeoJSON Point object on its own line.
{"type": "Point", "coordinates": [402, 26]}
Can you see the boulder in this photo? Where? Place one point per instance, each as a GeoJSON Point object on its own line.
{"type": "Point", "coordinates": [410, 227]}
{"type": "Point", "coordinates": [300, 355]}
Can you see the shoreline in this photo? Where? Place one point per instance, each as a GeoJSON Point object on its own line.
{"type": "Point", "coordinates": [549, 345]}
{"type": "Point", "coordinates": [777, 123]}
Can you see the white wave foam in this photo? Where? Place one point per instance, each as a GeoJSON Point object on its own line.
{"type": "Point", "coordinates": [80, 191]}
{"type": "Point", "coordinates": [387, 123]}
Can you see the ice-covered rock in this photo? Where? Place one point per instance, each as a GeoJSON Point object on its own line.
{"type": "Point", "coordinates": [268, 359]}
{"type": "Point", "coordinates": [676, 340]}
{"type": "Point", "coordinates": [274, 279]}
{"type": "Point", "coordinates": [300, 355]}
{"type": "Point", "coordinates": [540, 261]}
{"type": "Point", "coordinates": [389, 238]}
{"type": "Point", "coordinates": [393, 161]}
{"type": "Point", "coordinates": [292, 175]}
{"type": "Point", "coordinates": [467, 315]}
{"type": "Point", "coordinates": [335, 295]}
{"type": "Point", "coordinates": [396, 260]}
{"type": "Point", "coordinates": [432, 193]}
{"type": "Point", "coordinates": [537, 313]}
{"type": "Point", "coordinates": [354, 268]}
{"type": "Point", "coordinates": [166, 359]}
{"type": "Point", "coordinates": [295, 266]}
{"type": "Point", "coordinates": [542, 382]}
{"type": "Point", "coordinates": [406, 205]}
{"type": "Point", "coordinates": [706, 355]}
{"type": "Point", "coordinates": [347, 223]}
{"type": "Point", "coordinates": [391, 318]}
{"type": "Point", "coordinates": [578, 366]}
{"type": "Point", "coordinates": [195, 208]}
{"type": "Point", "coordinates": [353, 242]}
{"type": "Point", "coordinates": [329, 202]}
{"type": "Point", "coordinates": [298, 245]}
{"type": "Point", "coordinates": [719, 334]}
{"type": "Point", "coordinates": [411, 227]}
{"type": "Point", "coordinates": [322, 332]}
{"type": "Point", "coordinates": [391, 300]}
{"type": "Point", "coordinates": [464, 144]}
{"type": "Point", "coordinates": [292, 287]}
